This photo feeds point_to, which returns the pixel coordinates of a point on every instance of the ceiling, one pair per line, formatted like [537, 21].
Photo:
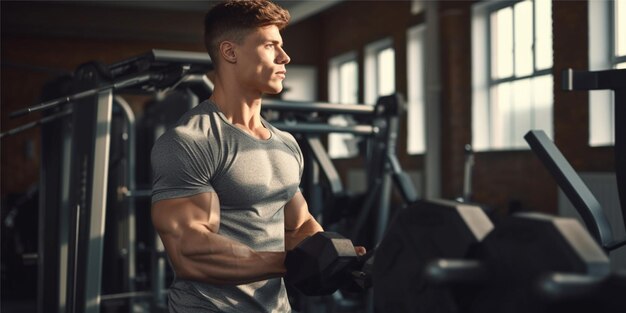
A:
[299, 9]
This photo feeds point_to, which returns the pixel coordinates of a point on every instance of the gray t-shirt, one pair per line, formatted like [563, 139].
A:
[253, 178]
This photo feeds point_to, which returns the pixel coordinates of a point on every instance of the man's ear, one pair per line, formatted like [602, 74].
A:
[227, 51]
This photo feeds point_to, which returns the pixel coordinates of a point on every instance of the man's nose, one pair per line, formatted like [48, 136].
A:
[283, 57]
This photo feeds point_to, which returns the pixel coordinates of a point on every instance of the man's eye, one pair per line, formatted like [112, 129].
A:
[271, 45]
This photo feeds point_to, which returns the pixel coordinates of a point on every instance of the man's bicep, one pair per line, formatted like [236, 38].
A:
[172, 216]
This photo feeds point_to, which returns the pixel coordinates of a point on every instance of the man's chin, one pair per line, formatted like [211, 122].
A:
[273, 91]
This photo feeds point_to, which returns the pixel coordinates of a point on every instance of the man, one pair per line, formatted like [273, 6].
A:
[225, 201]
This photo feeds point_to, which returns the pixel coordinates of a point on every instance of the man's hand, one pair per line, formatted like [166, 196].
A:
[360, 250]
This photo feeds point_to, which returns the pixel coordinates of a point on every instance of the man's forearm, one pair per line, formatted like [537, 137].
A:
[215, 259]
[295, 236]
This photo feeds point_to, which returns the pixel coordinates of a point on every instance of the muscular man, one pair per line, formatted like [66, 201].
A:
[225, 200]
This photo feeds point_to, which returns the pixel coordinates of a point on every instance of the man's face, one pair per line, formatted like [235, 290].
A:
[261, 61]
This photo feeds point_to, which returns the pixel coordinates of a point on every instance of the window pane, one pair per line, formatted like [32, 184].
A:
[620, 65]
[620, 28]
[386, 72]
[415, 100]
[343, 88]
[543, 34]
[348, 82]
[501, 115]
[601, 118]
[542, 100]
[502, 43]
[521, 112]
[342, 145]
[523, 38]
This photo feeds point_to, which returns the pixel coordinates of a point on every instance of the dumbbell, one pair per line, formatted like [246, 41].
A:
[421, 233]
[530, 262]
[324, 263]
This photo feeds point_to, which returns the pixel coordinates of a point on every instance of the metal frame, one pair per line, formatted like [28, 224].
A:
[572, 185]
[74, 182]
[130, 223]
[614, 80]
[54, 188]
[331, 108]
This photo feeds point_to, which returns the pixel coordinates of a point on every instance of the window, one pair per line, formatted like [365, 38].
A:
[607, 49]
[511, 72]
[343, 87]
[300, 84]
[416, 140]
[380, 71]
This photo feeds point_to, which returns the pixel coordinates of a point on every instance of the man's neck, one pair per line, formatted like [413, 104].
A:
[240, 108]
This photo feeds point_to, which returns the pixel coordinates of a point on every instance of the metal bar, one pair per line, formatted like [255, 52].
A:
[170, 56]
[616, 81]
[52, 237]
[138, 193]
[385, 193]
[64, 221]
[596, 80]
[318, 107]
[30, 125]
[126, 295]
[572, 185]
[129, 268]
[402, 180]
[620, 147]
[310, 179]
[562, 286]
[366, 130]
[326, 164]
[97, 212]
[83, 94]
[158, 273]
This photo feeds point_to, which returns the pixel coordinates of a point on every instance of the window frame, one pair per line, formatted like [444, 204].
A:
[483, 80]
[602, 56]
[334, 77]
[372, 83]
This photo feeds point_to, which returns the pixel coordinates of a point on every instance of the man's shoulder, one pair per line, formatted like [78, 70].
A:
[193, 124]
[191, 132]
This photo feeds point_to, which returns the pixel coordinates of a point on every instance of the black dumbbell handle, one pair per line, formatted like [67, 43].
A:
[453, 271]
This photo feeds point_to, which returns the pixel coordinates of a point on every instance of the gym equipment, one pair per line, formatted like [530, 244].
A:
[523, 248]
[494, 269]
[316, 266]
[421, 233]
[326, 262]
[614, 80]
[530, 262]
[75, 167]
[577, 192]
[584, 293]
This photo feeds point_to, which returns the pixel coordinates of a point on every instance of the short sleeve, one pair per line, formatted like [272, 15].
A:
[181, 165]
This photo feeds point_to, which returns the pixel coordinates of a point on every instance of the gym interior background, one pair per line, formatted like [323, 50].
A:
[351, 52]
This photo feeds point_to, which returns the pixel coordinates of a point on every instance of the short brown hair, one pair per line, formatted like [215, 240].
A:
[235, 18]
